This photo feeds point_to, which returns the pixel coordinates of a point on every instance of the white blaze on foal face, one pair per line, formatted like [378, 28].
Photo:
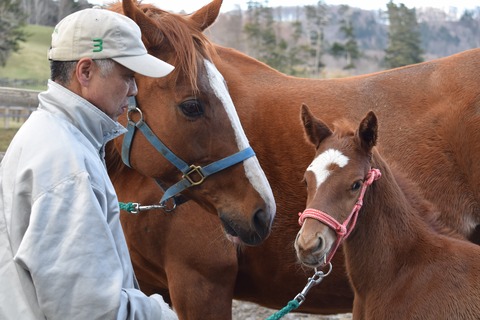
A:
[321, 165]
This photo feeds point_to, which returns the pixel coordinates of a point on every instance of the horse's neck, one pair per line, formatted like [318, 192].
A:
[115, 165]
[388, 231]
[269, 109]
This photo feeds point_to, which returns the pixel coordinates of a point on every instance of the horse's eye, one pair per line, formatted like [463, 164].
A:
[192, 108]
[356, 185]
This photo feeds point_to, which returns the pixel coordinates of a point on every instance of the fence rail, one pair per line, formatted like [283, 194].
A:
[16, 105]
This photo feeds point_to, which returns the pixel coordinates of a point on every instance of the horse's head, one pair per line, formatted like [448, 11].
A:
[336, 181]
[190, 112]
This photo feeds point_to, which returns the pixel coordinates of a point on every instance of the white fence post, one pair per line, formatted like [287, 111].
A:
[18, 103]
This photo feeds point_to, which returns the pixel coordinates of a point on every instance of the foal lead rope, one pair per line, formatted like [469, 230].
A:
[300, 298]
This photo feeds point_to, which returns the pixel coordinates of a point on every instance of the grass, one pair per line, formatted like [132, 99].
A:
[30, 62]
[27, 69]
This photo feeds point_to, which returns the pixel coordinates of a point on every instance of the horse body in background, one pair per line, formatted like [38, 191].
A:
[400, 266]
[430, 117]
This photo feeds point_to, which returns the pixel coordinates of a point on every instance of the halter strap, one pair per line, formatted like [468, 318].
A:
[342, 230]
[192, 175]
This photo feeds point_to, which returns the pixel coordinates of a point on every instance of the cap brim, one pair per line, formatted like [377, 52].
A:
[146, 65]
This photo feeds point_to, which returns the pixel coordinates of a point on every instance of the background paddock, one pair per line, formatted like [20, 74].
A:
[16, 105]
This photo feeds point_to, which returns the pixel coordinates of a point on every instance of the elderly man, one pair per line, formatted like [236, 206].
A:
[63, 254]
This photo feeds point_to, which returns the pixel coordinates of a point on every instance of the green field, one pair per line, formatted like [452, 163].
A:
[29, 68]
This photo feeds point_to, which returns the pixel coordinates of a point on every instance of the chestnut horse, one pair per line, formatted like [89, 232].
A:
[399, 265]
[431, 127]
[184, 132]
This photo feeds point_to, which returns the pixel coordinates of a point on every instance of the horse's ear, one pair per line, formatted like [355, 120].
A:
[206, 16]
[149, 29]
[315, 129]
[367, 131]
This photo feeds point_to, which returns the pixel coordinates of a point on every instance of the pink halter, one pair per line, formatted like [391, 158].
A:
[342, 230]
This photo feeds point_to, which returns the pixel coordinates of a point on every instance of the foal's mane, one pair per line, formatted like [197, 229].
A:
[187, 44]
[343, 128]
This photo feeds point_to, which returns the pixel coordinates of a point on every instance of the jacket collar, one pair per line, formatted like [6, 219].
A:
[95, 125]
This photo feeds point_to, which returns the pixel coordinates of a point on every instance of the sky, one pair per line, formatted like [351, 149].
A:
[190, 6]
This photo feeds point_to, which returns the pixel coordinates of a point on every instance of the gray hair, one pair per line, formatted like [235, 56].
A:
[61, 71]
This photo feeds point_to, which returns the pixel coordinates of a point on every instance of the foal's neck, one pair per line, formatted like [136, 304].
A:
[388, 230]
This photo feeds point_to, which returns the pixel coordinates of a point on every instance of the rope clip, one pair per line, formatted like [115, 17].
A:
[312, 281]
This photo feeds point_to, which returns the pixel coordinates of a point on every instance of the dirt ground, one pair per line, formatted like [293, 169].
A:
[249, 311]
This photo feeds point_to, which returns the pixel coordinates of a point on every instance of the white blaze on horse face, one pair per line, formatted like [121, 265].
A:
[253, 171]
[320, 164]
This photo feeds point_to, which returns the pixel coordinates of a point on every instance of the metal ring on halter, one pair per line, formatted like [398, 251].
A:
[172, 207]
[325, 263]
[323, 274]
[132, 110]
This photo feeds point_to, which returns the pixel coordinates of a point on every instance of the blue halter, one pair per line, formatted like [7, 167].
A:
[192, 175]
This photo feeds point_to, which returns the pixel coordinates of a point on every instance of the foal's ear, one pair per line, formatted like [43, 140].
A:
[207, 15]
[367, 131]
[315, 129]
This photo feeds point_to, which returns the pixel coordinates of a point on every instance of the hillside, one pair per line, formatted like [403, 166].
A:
[442, 34]
[29, 68]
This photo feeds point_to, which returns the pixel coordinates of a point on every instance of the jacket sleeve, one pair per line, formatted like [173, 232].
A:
[74, 261]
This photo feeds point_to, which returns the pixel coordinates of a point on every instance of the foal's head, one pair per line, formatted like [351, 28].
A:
[334, 180]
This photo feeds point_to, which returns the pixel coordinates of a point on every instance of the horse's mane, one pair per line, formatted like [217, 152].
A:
[187, 42]
[188, 45]
[343, 128]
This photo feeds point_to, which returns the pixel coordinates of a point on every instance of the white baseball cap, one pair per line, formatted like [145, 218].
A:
[100, 34]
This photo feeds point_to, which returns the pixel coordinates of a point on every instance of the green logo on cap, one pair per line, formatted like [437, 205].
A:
[97, 45]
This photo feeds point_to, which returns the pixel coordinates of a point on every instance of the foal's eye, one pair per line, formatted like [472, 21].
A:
[356, 185]
[192, 108]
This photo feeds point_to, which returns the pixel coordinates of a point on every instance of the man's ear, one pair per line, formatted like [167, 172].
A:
[84, 71]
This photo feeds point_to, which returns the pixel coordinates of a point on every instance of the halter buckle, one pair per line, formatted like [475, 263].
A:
[194, 169]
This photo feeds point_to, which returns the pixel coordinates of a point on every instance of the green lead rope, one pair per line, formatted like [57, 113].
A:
[300, 298]
[291, 305]
[129, 207]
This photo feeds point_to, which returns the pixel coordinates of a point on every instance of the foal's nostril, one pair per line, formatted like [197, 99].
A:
[262, 223]
[319, 243]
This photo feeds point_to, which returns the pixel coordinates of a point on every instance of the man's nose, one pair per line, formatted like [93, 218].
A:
[133, 90]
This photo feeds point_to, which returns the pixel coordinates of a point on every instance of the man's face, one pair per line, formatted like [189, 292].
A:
[110, 92]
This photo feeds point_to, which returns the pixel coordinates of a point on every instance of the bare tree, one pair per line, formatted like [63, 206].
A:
[317, 19]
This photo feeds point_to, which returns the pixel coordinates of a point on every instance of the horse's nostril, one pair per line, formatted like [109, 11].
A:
[320, 243]
[262, 222]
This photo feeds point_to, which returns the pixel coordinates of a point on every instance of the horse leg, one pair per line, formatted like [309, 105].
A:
[149, 289]
[199, 265]
[190, 290]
